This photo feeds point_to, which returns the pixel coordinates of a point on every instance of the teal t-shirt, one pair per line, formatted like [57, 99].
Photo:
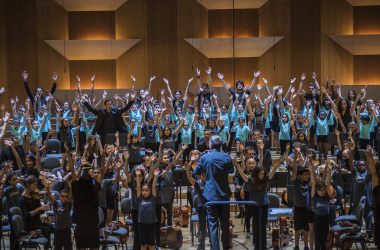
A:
[241, 133]
[284, 131]
[186, 136]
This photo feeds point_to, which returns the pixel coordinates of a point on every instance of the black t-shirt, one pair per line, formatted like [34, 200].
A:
[109, 123]
[179, 104]
[85, 199]
[134, 152]
[13, 195]
[241, 96]
[301, 193]
[27, 205]
[147, 209]
[321, 204]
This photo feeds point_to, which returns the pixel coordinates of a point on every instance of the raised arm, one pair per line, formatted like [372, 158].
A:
[208, 71]
[303, 77]
[227, 87]
[169, 90]
[188, 174]
[294, 165]
[239, 167]
[275, 167]
[255, 75]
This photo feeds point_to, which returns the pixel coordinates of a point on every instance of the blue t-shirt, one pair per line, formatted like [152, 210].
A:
[322, 126]
[242, 114]
[284, 131]
[35, 135]
[365, 130]
[85, 118]
[47, 124]
[241, 133]
[331, 120]
[223, 133]
[226, 118]
[135, 115]
[200, 129]
[321, 204]
[17, 132]
[186, 135]
[147, 209]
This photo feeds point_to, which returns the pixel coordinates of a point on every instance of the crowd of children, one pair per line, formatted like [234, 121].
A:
[160, 133]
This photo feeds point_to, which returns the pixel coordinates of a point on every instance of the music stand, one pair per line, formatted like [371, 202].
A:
[279, 180]
[111, 139]
[180, 180]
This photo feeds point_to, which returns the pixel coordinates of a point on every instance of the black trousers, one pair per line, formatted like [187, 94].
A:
[248, 213]
[136, 232]
[202, 223]
[216, 214]
[62, 239]
[321, 229]
[158, 224]
[283, 146]
[261, 216]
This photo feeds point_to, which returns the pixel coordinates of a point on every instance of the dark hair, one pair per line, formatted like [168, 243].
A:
[14, 137]
[177, 91]
[304, 134]
[107, 100]
[247, 149]
[30, 180]
[10, 175]
[135, 167]
[256, 131]
[16, 120]
[301, 170]
[163, 133]
[320, 185]
[260, 139]
[239, 82]
[224, 106]
[258, 113]
[64, 191]
[340, 110]
[90, 120]
[241, 119]
[348, 94]
[191, 107]
[205, 84]
[133, 136]
[311, 85]
[365, 118]
[325, 100]
[150, 119]
[258, 184]
[32, 158]
[142, 158]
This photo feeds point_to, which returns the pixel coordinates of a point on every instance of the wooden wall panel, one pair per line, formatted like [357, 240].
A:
[21, 45]
[130, 20]
[337, 17]
[192, 21]
[220, 23]
[162, 41]
[275, 63]
[3, 48]
[337, 63]
[367, 70]
[244, 70]
[52, 24]
[91, 25]
[105, 71]
[305, 43]
[366, 20]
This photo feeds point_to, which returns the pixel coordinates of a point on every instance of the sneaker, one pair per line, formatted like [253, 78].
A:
[248, 236]
[200, 247]
[306, 248]
[296, 248]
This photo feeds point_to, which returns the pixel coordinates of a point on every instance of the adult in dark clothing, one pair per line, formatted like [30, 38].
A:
[39, 91]
[376, 201]
[31, 209]
[109, 119]
[85, 210]
[8, 155]
[216, 165]
[204, 145]
[267, 157]
[238, 183]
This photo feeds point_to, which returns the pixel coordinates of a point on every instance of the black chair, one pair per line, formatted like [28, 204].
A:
[54, 145]
[194, 218]
[274, 201]
[51, 163]
[55, 170]
[22, 239]
[108, 239]
[126, 194]
[126, 209]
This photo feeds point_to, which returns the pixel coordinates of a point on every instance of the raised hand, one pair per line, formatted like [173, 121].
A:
[221, 76]
[228, 86]
[133, 95]
[166, 81]
[256, 74]
[303, 77]
[198, 72]
[184, 146]
[208, 71]
[13, 101]
[265, 81]
[104, 94]
[259, 86]
[78, 78]
[93, 78]
[314, 76]
[292, 90]
[2, 107]
[215, 96]
[46, 113]
[116, 96]
[2, 90]
[337, 132]
[170, 99]
[369, 151]
[133, 79]
[162, 92]
[152, 78]
[25, 75]
[84, 98]
[190, 80]
[292, 80]
[55, 76]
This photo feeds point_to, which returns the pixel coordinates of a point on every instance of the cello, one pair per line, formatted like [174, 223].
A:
[280, 234]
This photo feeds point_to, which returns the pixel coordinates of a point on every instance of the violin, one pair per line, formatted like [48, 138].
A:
[37, 194]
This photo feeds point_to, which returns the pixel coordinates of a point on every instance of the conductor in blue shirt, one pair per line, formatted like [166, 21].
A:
[217, 165]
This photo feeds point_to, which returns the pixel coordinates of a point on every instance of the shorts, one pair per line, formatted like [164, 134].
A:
[313, 130]
[310, 216]
[63, 150]
[147, 234]
[301, 219]
[322, 138]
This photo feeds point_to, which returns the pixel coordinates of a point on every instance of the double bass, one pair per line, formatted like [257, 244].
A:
[280, 234]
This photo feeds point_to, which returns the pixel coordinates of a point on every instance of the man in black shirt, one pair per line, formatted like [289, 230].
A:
[7, 153]
[109, 119]
[203, 145]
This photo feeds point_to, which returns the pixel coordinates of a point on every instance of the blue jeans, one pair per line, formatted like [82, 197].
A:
[216, 213]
